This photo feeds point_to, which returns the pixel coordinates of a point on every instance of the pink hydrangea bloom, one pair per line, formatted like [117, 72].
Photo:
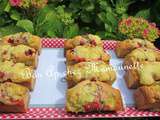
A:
[15, 2]
[128, 22]
[152, 25]
[145, 32]
[133, 27]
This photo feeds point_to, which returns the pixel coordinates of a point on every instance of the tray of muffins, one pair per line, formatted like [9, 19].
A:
[82, 77]
[19, 55]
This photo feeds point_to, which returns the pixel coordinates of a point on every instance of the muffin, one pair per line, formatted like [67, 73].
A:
[17, 73]
[148, 97]
[86, 54]
[96, 70]
[23, 38]
[142, 54]
[146, 74]
[93, 96]
[125, 47]
[19, 53]
[13, 98]
[89, 39]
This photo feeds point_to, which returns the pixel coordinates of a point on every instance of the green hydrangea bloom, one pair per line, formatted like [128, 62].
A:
[39, 3]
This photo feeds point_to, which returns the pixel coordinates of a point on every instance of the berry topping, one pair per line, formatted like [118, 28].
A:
[78, 59]
[19, 102]
[29, 52]
[99, 59]
[82, 42]
[139, 45]
[93, 42]
[10, 41]
[93, 106]
[2, 74]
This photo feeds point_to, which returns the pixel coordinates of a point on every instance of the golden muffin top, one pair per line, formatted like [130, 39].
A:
[11, 93]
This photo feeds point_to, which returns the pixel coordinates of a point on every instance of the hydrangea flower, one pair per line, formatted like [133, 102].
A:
[39, 3]
[15, 2]
[138, 28]
[28, 3]
[20, 3]
[25, 3]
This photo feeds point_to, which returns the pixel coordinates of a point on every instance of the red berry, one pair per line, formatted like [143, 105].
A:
[82, 42]
[19, 102]
[29, 52]
[82, 59]
[93, 42]
[78, 59]
[139, 45]
[10, 41]
[99, 59]
[93, 106]
[87, 108]
[2, 74]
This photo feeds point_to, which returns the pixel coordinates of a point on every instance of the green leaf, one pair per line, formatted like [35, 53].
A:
[11, 29]
[60, 9]
[102, 16]
[108, 28]
[110, 35]
[101, 34]
[2, 21]
[3, 4]
[51, 33]
[110, 18]
[104, 5]
[155, 12]
[42, 15]
[71, 31]
[85, 30]
[124, 16]
[75, 6]
[50, 25]
[143, 13]
[27, 25]
[89, 7]
[7, 8]
[51, 22]
[15, 15]
[85, 17]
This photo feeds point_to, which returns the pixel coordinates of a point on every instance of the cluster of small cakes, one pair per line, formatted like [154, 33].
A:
[18, 60]
[142, 63]
[90, 77]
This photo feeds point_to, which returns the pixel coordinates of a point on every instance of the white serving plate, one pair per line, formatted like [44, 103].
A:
[50, 85]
